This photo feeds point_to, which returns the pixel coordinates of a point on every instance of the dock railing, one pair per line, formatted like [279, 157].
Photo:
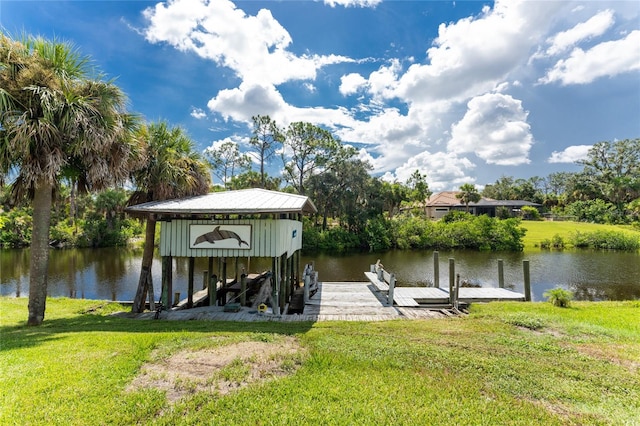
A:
[310, 277]
[383, 280]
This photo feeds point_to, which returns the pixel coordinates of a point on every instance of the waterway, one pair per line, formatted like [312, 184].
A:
[112, 273]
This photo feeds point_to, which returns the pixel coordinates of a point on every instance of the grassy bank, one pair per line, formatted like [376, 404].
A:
[538, 231]
[506, 363]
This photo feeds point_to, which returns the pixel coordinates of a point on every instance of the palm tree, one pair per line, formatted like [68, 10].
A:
[172, 170]
[468, 194]
[56, 119]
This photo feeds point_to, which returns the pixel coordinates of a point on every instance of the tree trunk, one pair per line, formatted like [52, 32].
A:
[39, 261]
[147, 260]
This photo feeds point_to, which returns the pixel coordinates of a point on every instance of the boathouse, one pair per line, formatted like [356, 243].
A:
[249, 223]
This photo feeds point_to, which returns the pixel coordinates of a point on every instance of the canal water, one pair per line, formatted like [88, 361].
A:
[112, 273]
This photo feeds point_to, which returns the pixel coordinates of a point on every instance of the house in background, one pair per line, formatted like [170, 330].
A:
[442, 203]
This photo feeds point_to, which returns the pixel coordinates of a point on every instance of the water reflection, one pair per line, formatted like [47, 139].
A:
[112, 273]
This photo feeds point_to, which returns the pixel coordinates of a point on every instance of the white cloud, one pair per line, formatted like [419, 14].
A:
[445, 171]
[254, 47]
[243, 102]
[353, 3]
[473, 55]
[495, 128]
[595, 26]
[351, 83]
[198, 113]
[247, 100]
[235, 140]
[570, 154]
[405, 115]
[606, 59]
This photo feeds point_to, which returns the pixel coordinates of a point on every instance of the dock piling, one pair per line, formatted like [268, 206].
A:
[452, 277]
[527, 281]
[436, 270]
[500, 273]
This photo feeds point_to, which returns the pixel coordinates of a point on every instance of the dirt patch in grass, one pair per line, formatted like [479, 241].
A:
[220, 370]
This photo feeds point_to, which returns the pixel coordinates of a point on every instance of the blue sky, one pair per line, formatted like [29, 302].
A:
[463, 91]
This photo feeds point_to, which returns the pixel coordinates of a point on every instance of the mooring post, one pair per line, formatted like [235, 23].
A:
[500, 273]
[456, 291]
[527, 281]
[436, 270]
[452, 277]
[392, 286]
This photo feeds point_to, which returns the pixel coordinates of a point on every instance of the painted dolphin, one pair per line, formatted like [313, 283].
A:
[218, 235]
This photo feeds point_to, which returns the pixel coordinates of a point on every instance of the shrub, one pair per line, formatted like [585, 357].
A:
[610, 240]
[459, 231]
[556, 242]
[377, 234]
[456, 216]
[596, 211]
[559, 297]
[15, 228]
[332, 239]
[524, 320]
[530, 213]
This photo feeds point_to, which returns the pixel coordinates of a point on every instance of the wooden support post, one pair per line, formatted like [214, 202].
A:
[210, 266]
[190, 283]
[205, 279]
[436, 269]
[500, 273]
[452, 277]
[152, 303]
[456, 292]
[223, 281]
[211, 284]
[223, 278]
[213, 290]
[167, 281]
[141, 292]
[275, 305]
[243, 289]
[296, 268]
[392, 286]
[527, 281]
[283, 282]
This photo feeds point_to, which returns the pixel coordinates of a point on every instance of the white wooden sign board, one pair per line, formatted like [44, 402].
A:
[220, 236]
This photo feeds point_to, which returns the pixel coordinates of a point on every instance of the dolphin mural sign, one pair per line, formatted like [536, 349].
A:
[220, 236]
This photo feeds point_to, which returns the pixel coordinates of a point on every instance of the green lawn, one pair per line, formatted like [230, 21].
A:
[506, 363]
[538, 231]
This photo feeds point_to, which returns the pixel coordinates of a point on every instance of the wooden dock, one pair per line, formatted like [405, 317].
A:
[352, 301]
[425, 296]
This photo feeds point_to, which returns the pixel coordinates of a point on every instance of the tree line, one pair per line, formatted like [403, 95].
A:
[69, 148]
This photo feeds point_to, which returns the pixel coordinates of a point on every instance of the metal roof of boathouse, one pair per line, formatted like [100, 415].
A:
[243, 201]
